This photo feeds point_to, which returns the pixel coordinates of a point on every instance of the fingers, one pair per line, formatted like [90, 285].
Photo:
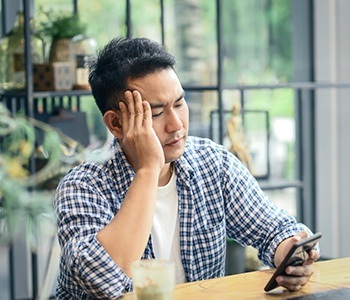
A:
[314, 255]
[129, 111]
[125, 112]
[147, 113]
[138, 109]
[134, 111]
[301, 235]
[293, 283]
[296, 277]
[304, 270]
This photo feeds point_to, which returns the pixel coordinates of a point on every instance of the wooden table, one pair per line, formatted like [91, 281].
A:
[331, 277]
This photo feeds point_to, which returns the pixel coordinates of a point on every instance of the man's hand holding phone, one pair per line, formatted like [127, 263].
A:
[295, 259]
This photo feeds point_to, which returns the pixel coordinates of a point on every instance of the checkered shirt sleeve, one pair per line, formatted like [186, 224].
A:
[83, 207]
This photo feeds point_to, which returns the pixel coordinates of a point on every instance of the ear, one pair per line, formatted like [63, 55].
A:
[112, 119]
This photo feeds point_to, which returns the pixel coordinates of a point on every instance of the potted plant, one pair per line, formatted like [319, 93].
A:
[58, 30]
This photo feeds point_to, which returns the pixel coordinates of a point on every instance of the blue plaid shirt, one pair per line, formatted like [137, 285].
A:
[218, 198]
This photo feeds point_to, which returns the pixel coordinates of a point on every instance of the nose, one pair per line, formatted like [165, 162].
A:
[174, 122]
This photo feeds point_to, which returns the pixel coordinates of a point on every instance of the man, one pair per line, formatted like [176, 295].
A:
[163, 194]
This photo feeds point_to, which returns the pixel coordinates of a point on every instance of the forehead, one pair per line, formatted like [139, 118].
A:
[162, 85]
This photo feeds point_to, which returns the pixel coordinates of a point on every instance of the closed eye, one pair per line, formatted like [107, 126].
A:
[156, 115]
[180, 102]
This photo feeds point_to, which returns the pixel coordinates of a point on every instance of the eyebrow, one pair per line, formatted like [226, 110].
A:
[160, 105]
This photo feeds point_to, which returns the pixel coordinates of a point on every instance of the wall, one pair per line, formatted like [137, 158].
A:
[332, 64]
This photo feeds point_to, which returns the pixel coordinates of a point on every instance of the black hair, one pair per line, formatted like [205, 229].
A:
[120, 60]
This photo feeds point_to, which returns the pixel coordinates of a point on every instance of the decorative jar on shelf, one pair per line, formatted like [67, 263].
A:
[83, 49]
[12, 55]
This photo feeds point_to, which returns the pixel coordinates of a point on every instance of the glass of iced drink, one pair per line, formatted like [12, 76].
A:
[153, 279]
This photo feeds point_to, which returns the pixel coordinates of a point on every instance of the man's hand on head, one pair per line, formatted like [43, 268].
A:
[139, 140]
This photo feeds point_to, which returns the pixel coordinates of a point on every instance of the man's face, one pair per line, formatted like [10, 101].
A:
[164, 93]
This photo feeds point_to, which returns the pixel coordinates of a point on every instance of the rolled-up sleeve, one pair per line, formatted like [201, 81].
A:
[86, 269]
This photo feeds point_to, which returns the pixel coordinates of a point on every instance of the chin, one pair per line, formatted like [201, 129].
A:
[174, 153]
[173, 156]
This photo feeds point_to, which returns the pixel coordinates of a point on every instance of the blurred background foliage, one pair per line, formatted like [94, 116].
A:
[33, 158]
[24, 209]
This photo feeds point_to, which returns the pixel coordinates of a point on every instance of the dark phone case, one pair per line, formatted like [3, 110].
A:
[296, 257]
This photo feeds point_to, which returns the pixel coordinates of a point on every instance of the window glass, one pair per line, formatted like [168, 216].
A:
[190, 34]
[146, 19]
[201, 106]
[256, 38]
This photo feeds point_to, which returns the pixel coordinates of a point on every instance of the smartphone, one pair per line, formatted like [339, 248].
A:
[295, 257]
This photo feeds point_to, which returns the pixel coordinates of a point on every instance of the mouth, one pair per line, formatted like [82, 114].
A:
[174, 142]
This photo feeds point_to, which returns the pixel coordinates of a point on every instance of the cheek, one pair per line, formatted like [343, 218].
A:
[185, 116]
[158, 129]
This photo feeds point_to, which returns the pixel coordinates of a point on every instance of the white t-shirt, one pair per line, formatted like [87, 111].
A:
[165, 229]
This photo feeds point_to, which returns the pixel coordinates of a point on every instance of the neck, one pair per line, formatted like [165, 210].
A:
[165, 174]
